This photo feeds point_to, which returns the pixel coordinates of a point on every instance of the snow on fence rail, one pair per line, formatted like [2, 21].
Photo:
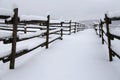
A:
[109, 35]
[14, 38]
[5, 13]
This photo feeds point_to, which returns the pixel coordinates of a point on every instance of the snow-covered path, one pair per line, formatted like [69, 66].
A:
[79, 56]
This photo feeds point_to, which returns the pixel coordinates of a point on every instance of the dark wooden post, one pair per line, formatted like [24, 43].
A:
[25, 29]
[78, 27]
[47, 32]
[107, 20]
[75, 27]
[61, 24]
[61, 30]
[101, 25]
[13, 52]
[61, 33]
[70, 27]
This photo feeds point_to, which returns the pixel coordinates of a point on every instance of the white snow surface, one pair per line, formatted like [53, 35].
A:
[31, 17]
[34, 17]
[115, 45]
[28, 44]
[5, 34]
[79, 56]
[55, 21]
[31, 34]
[115, 31]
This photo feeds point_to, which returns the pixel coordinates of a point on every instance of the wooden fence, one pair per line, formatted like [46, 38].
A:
[14, 38]
[68, 27]
[23, 30]
[100, 30]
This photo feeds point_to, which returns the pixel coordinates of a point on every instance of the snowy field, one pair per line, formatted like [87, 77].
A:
[79, 56]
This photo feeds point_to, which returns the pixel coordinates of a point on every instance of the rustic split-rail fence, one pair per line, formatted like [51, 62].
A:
[14, 24]
[103, 29]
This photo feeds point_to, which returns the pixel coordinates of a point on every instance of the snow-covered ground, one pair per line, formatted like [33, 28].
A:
[79, 56]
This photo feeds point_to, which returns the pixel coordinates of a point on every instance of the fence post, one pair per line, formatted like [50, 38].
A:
[14, 34]
[47, 32]
[25, 29]
[61, 30]
[79, 26]
[75, 27]
[61, 24]
[107, 20]
[61, 33]
[101, 25]
[70, 27]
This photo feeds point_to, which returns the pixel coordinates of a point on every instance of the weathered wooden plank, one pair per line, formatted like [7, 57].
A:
[109, 40]
[13, 53]
[115, 36]
[4, 16]
[6, 41]
[47, 32]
